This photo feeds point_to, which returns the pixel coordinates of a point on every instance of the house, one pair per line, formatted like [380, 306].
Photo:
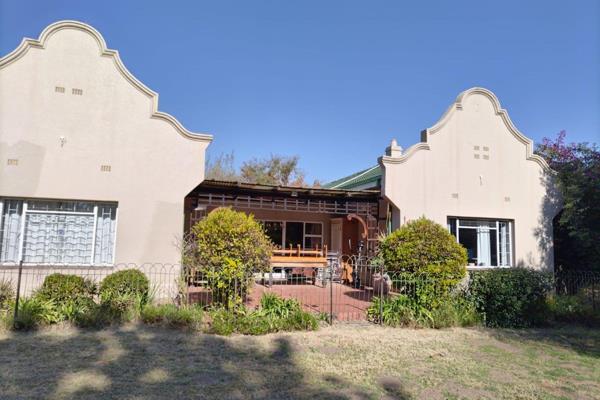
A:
[91, 172]
[474, 172]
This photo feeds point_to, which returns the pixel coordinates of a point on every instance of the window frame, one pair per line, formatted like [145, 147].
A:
[25, 210]
[496, 227]
[304, 234]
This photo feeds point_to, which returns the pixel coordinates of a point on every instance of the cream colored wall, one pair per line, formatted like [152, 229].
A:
[441, 177]
[154, 161]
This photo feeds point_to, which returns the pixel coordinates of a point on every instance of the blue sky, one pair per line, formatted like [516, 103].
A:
[334, 81]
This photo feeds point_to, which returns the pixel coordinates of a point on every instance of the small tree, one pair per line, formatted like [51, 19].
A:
[231, 246]
[276, 170]
[425, 247]
[577, 227]
[221, 168]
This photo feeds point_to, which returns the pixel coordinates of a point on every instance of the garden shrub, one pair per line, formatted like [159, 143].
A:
[230, 247]
[100, 316]
[34, 312]
[70, 294]
[401, 310]
[7, 294]
[228, 234]
[170, 315]
[573, 309]
[275, 314]
[125, 290]
[272, 305]
[510, 297]
[425, 248]
[398, 310]
[457, 311]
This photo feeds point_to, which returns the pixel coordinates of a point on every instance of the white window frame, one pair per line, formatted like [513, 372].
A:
[304, 234]
[497, 229]
[25, 211]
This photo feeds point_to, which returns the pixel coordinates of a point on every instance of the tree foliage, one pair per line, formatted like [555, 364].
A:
[577, 227]
[222, 168]
[275, 170]
[230, 247]
[425, 247]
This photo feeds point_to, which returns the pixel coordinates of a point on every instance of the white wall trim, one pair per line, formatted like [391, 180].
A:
[458, 106]
[51, 29]
[502, 113]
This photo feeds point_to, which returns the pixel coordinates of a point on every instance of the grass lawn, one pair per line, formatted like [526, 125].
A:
[341, 362]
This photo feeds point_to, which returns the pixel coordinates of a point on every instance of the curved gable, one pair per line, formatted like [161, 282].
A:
[51, 30]
[459, 104]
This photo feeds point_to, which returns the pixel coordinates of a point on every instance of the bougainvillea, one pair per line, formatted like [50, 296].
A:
[577, 227]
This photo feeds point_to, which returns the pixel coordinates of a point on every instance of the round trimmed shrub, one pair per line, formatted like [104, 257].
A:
[425, 247]
[63, 289]
[125, 285]
[226, 234]
[230, 247]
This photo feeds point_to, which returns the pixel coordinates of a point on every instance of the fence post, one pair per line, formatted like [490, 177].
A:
[381, 295]
[593, 293]
[16, 314]
[330, 293]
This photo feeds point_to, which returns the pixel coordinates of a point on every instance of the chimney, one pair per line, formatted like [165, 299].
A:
[393, 150]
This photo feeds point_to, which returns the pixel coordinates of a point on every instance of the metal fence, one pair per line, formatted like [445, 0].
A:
[342, 291]
[583, 284]
[26, 279]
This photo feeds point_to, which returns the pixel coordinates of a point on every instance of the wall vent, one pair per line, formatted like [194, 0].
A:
[12, 161]
[77, 92]
[105, 168]
[59, 89]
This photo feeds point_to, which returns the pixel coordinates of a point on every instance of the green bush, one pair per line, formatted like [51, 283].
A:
[228, 234]
[7, 294]
[125, 289]
[230, 247]
[405, 311]
[170, 315]
[99, 316]
[34, 312]
[272, 305]
[425, 248]
[71, 294]
[573, 309]
[275, 314]
[457, 311]
[510, 297]
[398, 310]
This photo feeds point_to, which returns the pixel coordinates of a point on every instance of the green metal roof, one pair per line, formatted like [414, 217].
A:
[367, 176]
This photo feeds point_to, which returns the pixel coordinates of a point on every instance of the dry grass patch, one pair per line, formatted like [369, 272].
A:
[342, 362]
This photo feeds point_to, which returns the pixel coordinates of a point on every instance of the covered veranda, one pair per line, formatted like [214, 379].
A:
[320, 236]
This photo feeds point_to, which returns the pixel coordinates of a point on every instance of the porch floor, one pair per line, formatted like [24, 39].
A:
[346, 302]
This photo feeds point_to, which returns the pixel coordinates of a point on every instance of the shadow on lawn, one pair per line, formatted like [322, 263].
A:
[581, 340]
[146, 363]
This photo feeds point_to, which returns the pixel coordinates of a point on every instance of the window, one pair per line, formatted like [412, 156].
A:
[488, 242]
[286, 234]
[57, 231]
